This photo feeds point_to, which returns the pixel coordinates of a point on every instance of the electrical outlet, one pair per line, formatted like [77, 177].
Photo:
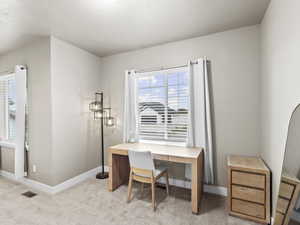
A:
[34, 168]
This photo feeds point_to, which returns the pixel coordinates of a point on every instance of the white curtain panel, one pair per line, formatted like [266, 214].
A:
[200, 131]
[129, 116]
[21, 80]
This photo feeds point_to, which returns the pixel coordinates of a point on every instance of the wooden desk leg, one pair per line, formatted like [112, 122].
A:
[118, 170]
[197, 184]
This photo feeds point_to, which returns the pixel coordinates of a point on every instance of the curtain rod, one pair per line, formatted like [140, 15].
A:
[163, 68]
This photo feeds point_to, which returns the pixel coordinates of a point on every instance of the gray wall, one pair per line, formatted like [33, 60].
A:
[64, 139]
[280, 35]
[235, 57]
[75, 77]
[37, 57]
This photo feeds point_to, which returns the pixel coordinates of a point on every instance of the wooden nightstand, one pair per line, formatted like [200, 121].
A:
[249, 188]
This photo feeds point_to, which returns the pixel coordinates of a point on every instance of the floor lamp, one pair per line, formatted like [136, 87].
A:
[104, 115]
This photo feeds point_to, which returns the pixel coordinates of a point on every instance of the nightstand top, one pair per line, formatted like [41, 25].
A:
[247, 162]
[289, 178]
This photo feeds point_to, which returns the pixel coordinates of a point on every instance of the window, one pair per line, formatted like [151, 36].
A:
[162, 101]
[7, 108]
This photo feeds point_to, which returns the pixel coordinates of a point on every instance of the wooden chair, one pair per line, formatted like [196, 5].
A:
[143, 170]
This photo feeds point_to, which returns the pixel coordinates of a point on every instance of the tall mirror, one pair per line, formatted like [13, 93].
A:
[288, 203]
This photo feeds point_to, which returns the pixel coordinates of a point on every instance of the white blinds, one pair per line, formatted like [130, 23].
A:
[3, 109]
[7, 107]
[162, 101]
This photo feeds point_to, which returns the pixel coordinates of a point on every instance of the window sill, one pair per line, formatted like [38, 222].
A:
[7, 144]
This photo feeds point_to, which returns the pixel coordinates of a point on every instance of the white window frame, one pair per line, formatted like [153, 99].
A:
[147, 74]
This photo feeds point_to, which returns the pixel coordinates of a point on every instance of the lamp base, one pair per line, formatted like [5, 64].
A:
[101, 175]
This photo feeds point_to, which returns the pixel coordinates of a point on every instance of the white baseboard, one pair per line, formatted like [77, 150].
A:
[218, 190]
[8, 175]
[52, 189]
[28, 182]
[76, 180]
[37, 185]
[213, 189]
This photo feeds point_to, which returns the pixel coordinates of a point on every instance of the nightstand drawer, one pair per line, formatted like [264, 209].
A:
[282, 205]
[249, 194]
[248, 208]
[279, 219]
[248, 179]
[286, 190]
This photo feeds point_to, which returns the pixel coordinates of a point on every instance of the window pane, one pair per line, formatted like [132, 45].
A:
[163, 106]
[11, 109]
[172, 79]
[158, 80]
[183, 78]
[178, 101]
[144, 82]
[7, 108]
[3, 109]
[152, 95]
[151, 103]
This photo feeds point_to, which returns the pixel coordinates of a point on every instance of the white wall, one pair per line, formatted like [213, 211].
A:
[234, 56]
[37, 58]
[75, 76]
[280, 44]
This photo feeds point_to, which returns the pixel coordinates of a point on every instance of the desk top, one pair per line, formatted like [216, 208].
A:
[247, 162]
[167, 150]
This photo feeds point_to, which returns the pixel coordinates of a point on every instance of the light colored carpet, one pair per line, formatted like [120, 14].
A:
[89, 203]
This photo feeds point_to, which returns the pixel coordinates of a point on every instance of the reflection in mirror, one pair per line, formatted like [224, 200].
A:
[288, 202]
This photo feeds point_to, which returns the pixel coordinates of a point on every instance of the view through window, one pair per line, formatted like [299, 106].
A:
[7, 108]
[162, 100]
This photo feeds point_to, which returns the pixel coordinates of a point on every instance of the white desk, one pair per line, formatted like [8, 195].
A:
[119, 164]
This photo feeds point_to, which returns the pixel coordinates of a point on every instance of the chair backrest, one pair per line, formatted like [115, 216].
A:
[141, 160]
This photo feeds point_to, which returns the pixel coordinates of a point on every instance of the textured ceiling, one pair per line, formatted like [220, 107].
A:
[105, 27]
